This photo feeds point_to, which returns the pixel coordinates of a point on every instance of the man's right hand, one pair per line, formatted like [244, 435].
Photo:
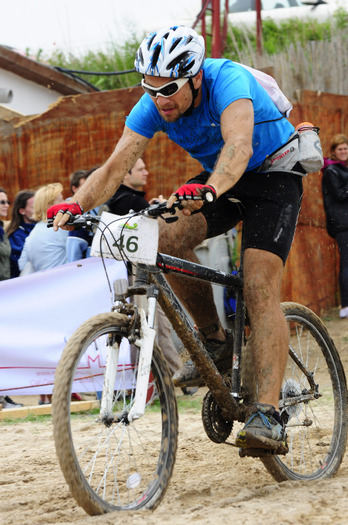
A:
[61, 213]
[192, 197]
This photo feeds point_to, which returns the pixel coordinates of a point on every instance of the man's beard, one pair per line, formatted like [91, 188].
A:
[172, 117]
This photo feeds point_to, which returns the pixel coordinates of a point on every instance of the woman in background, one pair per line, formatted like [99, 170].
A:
[43, 248]
[5, 252]
[5, 247]
[335, 195]
[21, 224]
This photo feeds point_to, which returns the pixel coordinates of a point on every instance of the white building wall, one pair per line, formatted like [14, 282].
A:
[28, 98]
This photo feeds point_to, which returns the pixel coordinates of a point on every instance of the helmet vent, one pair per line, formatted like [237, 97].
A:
[175, 43]
[150, 41]
[155, 55]
[140, 56]
[182, 62]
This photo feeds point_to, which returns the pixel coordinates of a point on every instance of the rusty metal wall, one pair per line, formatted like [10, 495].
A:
[81, 131]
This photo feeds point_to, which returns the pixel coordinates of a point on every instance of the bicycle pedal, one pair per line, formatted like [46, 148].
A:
[255, 452]
[264, 452]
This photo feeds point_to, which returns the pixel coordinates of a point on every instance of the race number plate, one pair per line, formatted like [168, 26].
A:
[123, 238]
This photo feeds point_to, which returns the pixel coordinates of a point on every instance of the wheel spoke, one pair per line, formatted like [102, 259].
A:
[109, 462]
[313, 401]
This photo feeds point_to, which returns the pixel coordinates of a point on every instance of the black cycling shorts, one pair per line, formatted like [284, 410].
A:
[267, 203]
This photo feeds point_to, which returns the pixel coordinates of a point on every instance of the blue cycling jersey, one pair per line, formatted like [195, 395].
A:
[199, 134]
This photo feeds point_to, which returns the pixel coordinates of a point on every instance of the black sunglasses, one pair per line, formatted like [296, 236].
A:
[5, 202]
[168, 90]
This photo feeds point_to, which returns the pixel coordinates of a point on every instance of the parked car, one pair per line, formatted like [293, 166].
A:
[244, 12]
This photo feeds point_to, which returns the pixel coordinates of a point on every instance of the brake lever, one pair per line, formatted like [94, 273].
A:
[169, 220]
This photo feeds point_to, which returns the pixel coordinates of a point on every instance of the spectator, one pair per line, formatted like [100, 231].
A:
[335, 194]
[5, 247]
[5, 273]
[79, 241]
[42, 248]
[129, 196]
[77, 178]
[21, 224]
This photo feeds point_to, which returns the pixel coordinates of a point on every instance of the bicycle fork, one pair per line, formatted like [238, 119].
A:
[145, 342]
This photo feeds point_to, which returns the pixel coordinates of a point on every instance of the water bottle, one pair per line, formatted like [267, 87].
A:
[311, 154]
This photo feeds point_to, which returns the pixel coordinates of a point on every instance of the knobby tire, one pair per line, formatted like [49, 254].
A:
[317, 428]
[123, 466]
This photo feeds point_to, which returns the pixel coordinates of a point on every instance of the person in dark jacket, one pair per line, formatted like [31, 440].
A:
[21, 224]
[335, 195]
[5, 247]
[129, 195]
[5, 252]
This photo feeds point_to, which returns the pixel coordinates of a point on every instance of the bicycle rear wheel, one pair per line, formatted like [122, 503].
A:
[113, 464]
[313, 401]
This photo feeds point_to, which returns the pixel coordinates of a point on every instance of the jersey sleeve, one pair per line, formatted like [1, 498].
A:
[229, 85]
[144, 118]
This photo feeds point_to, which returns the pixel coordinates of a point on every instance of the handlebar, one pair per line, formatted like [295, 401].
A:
[155, 210]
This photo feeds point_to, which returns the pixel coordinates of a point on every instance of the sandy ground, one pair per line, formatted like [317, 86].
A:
[210, 484]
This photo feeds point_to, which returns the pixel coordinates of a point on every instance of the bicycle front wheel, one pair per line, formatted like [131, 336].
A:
[313, 401]
[112, 463]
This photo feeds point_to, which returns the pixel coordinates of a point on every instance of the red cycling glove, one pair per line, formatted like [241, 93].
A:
[194, 191]
[71, 208]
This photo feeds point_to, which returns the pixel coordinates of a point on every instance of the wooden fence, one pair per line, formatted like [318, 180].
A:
[81, 131]
[321, 65]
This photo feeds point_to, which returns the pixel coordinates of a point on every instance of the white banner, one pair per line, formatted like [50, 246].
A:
[39, 312]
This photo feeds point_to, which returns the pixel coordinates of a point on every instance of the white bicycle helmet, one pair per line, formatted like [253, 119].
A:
[174, 52]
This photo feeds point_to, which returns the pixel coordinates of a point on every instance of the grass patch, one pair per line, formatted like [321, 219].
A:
[191, 404]
[30, 418]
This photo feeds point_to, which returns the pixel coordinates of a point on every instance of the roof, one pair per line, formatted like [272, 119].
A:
[44, 75]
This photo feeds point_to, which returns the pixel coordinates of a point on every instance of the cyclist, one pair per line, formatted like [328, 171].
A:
[218, 112]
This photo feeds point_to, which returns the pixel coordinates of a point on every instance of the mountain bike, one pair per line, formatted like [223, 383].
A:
[121, 454]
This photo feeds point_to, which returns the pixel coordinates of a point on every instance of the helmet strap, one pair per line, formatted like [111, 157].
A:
[194, 96]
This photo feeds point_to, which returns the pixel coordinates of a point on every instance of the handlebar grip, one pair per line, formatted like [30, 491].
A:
[75, 220]
[208, 195]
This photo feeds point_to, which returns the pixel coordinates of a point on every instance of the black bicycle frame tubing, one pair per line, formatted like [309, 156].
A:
[181, 322]
[174, 265]
[190, 339]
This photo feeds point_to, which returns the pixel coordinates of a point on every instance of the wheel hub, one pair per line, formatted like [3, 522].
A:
[291, 389]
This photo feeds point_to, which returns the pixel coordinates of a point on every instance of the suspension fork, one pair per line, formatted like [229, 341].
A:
[145, 342]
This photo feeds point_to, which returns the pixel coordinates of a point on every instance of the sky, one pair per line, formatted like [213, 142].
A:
[78, 26]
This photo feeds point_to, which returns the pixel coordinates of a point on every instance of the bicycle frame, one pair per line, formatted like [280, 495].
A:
[226, 396]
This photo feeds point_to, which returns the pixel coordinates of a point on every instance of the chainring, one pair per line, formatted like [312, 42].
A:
[215, 424]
